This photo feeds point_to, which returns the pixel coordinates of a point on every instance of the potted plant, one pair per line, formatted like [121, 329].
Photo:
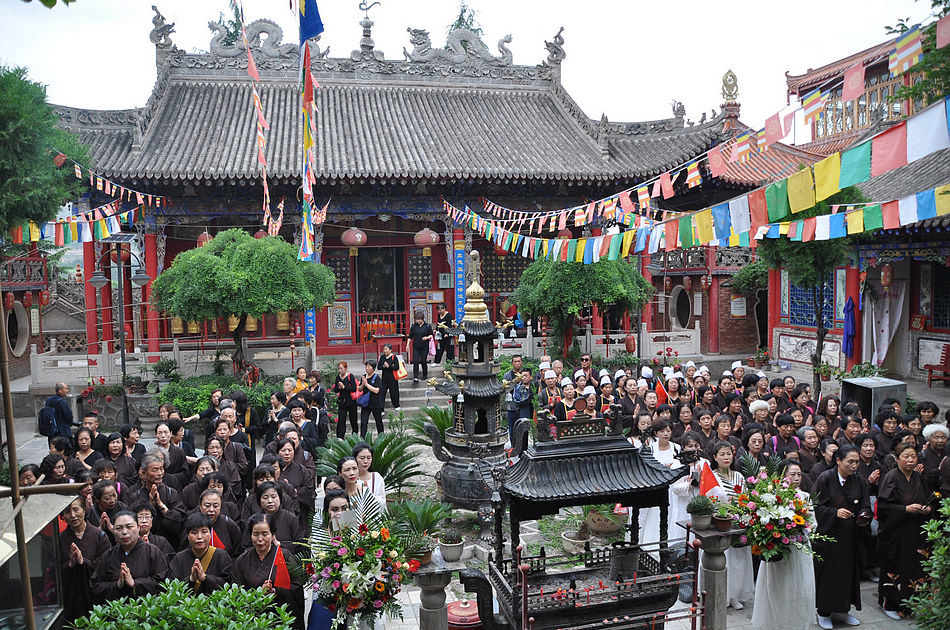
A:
[824, 371]
[451, 545]
[601, 520]
[761, 356]
[573, 541]
[750, 361]
[722, 516]
[166, 371]
[700, 510]
[422, 549]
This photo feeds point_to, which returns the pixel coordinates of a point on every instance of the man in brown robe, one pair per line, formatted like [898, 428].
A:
[152, 490]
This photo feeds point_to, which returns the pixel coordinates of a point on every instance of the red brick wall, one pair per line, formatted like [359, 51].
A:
[736, 336]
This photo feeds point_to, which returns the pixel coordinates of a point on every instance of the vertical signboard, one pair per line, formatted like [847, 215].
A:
[459, 280]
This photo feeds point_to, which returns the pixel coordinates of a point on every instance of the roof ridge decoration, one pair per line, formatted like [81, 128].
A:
[456, 51]
[270, 47]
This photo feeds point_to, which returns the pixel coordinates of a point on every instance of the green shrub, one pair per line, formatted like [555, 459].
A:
[931, 602]
[421, 517]
[441, 417]
[191, 395]
[178, 607]
[391, 458]
[751, 278]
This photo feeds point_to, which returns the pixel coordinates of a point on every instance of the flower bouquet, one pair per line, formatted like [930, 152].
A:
[357, 570]
[776, 516]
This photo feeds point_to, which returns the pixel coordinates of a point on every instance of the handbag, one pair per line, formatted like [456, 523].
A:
[363, 399]
[402, 372]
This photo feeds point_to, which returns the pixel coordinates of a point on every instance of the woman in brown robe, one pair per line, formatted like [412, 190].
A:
[203, 566]
[80, 546]
[285, 526]
[130, 569]
[226, 533]
[903, 508]
[264, 566]
[842, 503]
[295, 474]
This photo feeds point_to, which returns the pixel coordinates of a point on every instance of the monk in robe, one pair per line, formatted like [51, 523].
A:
[130, 569]
[843, 507]
[264, 566]
[177, 468]
[205, 567]
[152, 490]
[80, 546]
[145, 516]
[285, 526]
[296, 475]
[225, 533]
[903, 506]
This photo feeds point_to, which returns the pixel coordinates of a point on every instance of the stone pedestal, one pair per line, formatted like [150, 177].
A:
[432, 579]
[712, 572]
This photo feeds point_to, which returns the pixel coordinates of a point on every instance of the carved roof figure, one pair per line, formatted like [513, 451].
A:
[461, 46]
[161, 32]
[730, 87]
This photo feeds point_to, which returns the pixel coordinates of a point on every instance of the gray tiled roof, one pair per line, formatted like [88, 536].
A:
[928, 172]
[377, 119]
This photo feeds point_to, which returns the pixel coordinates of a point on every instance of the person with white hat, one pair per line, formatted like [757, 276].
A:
[564, 408]
[551, 392]
[762, 384]
[690, 370]
[738, 371]
[543, 366]
[566, 381]
[673, 388]
[606, 397]
[646, 372]
[592, 397]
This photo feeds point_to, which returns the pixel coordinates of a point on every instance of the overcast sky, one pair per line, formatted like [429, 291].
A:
[628, 59]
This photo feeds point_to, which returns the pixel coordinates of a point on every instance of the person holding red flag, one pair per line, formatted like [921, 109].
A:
[264, 566]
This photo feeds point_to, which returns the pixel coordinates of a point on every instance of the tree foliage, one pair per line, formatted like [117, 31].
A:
[232, 27]
[32, 187]
[237, 274]
[809, 264]
[559, 290]
[931, 602]
[466, 19]
[751, 278]
[935, 66]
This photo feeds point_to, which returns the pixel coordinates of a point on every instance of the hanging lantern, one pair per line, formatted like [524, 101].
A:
[193, 328]
[667, 284]
[354, 238]
[500, 251]
[250, 324]
[426, 238]
[8, 300]
[27, 299]
[203, 239]
[44, 297]
[125, 254]
[887, 276]
[178, 325]
[688, 283]
[233, 321]
[703, 283]
[565, 233]
[283, 320]
[260, 234]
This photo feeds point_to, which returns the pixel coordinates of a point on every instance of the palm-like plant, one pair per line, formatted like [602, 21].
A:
[391, 458]
[441, 417]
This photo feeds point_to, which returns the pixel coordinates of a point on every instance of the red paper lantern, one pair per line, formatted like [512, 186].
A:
[125, 254]
[565, 233]
[354, 238]
[8, 300]
[667, 284]
[630, 343]
[260, 234]
[500, 251]
[688, 283]
[44, 297]
[887, 276]
[426, 238]
[27, 299]
[203, 239]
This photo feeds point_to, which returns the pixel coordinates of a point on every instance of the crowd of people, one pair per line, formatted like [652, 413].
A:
[203, 509]
[219, 515]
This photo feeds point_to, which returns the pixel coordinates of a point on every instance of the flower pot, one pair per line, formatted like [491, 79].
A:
[759, 363]
[700, 521]
[600, 525]
[451, 552]
[425, 558]
[571, 543]
[750, 362]
[825, 377]
[722, 524]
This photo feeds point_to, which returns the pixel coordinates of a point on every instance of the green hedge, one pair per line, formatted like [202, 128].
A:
[191, 395]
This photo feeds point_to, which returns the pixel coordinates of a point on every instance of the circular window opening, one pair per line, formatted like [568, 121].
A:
[682, 308]
[18, 329]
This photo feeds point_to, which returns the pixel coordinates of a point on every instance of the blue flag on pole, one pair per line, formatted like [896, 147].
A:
[310, 23]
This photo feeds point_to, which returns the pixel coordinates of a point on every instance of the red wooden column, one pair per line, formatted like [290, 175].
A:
[92, 328]
[152, 328]
[775, 304]
[648, 307]
[105, 298]
[125, 271]
[853, 291]
[714, 315]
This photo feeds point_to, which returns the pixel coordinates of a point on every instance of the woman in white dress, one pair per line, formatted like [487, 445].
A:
[739, 585]
[363, 453]
[785, 590]
[664, 451]
[685, 488]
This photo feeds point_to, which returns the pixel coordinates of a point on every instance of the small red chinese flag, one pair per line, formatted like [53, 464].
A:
[853, 82]
[216, 541]
[661, 395]
[281, 574]
[708, 483]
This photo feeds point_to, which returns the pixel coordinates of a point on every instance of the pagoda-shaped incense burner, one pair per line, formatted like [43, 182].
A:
[474, 446]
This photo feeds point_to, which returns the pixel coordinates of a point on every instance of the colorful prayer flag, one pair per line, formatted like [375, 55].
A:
[693, 178]
[890, 213]
[927, 132]
[310, 23]
[773, 129]
[741, 149]
[853, 82]
[758, 209]
[704, 226]
[889, 150]
[717, 165]
[855, 165]
[855, 221]
[813, 104]
[666, 185]
[739, 215]
[722, 222]
[685, 229]
[760, 142]
[776, 196]
[671, 229]
[907, 53]
[943, 31]
[643, 197]
[78, 171]
[942, 199]
[873, 219]
[827, 173]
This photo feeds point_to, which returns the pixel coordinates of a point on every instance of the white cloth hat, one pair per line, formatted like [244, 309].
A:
[642, 383]
[761, 374]
[550, 374]
[727, 373]
[690, 364]
[544, 365]
[605, 380]
[667, 371]
[618, 374]
[566, 381]
[646, 372]
[703, 368]
[578, 373]
[678, 375]
[589, 390]
[604, 372]
[736, 364]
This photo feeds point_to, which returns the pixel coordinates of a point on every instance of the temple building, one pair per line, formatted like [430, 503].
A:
[899, 280]
[395, 137]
